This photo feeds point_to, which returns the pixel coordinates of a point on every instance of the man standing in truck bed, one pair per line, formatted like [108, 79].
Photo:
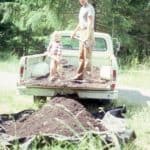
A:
[86, 30]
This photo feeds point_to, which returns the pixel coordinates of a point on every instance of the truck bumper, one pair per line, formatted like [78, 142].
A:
[82, 93]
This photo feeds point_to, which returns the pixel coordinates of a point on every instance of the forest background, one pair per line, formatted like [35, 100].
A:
[26, 25]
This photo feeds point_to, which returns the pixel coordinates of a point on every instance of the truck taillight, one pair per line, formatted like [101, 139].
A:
[114, 74]
[21, 71]
[113, 85]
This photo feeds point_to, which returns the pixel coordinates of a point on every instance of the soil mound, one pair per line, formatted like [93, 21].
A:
[61, 115]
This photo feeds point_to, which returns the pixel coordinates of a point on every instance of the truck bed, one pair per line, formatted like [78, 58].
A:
[64, 80]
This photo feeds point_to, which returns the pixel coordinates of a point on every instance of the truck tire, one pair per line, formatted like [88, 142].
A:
[39, 100]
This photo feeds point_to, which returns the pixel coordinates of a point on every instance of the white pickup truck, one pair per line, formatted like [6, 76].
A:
[34, 72]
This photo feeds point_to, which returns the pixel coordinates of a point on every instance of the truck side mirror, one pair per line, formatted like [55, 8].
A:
[116, 45]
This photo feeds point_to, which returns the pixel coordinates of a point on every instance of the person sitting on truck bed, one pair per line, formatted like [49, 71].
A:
[54, 51]
[86, 30]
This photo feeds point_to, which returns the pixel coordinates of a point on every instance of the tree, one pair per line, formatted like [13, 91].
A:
[33, 20]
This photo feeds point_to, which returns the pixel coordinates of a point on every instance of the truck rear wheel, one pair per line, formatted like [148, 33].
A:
[39, 100]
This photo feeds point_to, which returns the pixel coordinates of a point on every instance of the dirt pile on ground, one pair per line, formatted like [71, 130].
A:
[60, 115]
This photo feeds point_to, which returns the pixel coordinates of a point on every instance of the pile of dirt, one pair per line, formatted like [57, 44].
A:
[61, 115]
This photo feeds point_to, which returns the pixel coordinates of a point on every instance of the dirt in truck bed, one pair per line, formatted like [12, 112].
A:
[65, 79]
[61, 115]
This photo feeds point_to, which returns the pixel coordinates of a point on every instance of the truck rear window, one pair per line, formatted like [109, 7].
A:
[73, 44]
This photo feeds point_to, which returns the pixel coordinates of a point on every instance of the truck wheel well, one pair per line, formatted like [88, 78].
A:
[39, 100]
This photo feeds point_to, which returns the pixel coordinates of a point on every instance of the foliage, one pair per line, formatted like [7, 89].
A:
[128, 21]
[25, 25]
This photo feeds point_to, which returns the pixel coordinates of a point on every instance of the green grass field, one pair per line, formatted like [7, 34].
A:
[10, 65]
[138, 117]
[10, 100]
[135, 78]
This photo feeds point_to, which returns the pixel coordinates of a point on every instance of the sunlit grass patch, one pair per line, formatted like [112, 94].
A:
[138, 119]
[140, 122]
[135, 78]
[11, 101]
[9, 65]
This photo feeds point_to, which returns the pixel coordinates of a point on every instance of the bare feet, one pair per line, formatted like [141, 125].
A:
[51, 79]
[78, 77]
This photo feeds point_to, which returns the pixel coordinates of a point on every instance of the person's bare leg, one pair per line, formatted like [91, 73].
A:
[53, 69]
[80, 69]
[88, 53]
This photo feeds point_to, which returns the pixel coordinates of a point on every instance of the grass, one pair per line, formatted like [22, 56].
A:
[89, 142]
[140, 122]
[135, 75]
[9, 65]
[138, 117]
[135, 78]
[10, 100]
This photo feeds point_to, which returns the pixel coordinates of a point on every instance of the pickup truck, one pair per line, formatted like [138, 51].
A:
[101, 84]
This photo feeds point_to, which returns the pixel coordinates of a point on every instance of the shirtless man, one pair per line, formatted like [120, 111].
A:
[86, 31]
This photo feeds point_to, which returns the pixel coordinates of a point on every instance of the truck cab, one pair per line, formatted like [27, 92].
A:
[102, 84]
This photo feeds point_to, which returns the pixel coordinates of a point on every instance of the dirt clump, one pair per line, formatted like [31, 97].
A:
[60, 115]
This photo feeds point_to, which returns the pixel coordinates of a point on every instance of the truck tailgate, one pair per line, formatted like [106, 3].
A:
[83, 84]
[92, 82]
